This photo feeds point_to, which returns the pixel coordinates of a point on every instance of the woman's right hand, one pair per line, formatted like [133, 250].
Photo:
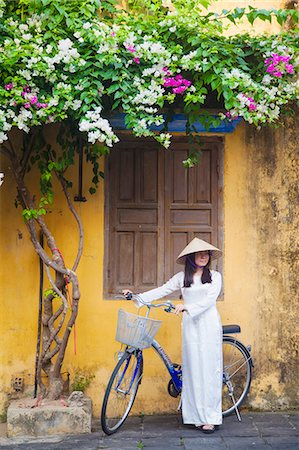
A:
[126, 292]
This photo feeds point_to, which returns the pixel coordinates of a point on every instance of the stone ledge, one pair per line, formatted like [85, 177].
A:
[72, 416]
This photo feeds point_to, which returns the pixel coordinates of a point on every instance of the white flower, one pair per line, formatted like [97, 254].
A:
[27, 36]
[84, 125]
[76, 104]
[3, 137]
[26, 74]
[87, 25]
[267, 79]
[7, 126]
[164, 139]
[23, 27]
[98, 129]
[65, 44]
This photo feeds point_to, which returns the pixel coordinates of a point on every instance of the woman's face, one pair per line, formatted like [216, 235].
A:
[202, 258]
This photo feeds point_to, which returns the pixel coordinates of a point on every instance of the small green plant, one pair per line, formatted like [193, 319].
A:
[3, 417]
[140, 444]
[81, 381]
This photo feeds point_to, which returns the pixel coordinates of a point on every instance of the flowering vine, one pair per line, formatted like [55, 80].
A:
[91, 67]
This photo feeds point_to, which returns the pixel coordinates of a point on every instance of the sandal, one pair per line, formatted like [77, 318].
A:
[208, 429]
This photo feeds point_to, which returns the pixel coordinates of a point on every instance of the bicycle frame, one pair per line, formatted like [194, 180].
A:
[174, 372]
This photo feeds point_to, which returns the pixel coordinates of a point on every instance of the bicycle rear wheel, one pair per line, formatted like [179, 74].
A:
[121, 391]
[237, 368]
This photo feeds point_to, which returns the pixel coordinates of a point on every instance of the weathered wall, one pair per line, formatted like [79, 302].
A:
[274, 192]
[261, 258]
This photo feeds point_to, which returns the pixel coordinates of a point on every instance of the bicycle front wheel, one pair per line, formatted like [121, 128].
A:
[237, 367]
[121, 391]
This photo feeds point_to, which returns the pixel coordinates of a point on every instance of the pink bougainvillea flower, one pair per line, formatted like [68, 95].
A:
[41, 105]
[252, 105]
[27, 105]
[289, 68]
[8, 86]
[277, 74]
[230, 117]
[130, 48]
[179, 90]
[178, 83]
[33, 100]
[271, 68]
[113, 33]
[186, 83]
[136, 60]
[278, 65]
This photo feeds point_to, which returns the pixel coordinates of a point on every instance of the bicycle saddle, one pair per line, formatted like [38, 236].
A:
[231, 329]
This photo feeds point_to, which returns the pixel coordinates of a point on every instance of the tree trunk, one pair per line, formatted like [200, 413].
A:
[56, 324]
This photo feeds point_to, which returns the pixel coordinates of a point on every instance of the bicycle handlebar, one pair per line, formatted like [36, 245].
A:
[130, 296]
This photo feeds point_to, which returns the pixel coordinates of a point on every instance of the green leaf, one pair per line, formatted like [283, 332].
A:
[113, 88]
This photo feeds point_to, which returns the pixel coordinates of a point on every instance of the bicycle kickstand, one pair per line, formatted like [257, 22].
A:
[236, 408]
[231, 394]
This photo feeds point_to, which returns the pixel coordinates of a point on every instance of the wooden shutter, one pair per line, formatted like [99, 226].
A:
[154, 207]
[191, 202]
[136, 197]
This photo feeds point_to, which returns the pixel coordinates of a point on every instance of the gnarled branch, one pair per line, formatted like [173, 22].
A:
[77, 218]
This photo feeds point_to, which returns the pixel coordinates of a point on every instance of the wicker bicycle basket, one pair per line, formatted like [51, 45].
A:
[134, 330]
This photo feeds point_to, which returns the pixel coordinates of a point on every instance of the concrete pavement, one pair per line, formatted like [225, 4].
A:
[262, 431]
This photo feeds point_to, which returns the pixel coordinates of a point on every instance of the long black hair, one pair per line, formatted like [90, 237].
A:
[190, 269]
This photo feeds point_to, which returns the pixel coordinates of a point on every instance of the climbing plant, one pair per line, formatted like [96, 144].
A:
[77, 63]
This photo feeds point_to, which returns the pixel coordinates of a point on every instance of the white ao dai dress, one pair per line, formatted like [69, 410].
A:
[201, 347]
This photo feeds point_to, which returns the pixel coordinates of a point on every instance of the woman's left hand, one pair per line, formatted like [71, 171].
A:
[180, 307]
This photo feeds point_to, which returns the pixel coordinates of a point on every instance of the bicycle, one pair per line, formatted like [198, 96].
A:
[137, 333]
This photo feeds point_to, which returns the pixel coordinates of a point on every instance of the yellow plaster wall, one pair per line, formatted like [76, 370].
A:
[259, 26]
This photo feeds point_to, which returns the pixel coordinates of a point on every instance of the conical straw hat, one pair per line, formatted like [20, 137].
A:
[198, 245]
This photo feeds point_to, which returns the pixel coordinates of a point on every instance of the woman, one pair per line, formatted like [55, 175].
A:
[201, 332]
